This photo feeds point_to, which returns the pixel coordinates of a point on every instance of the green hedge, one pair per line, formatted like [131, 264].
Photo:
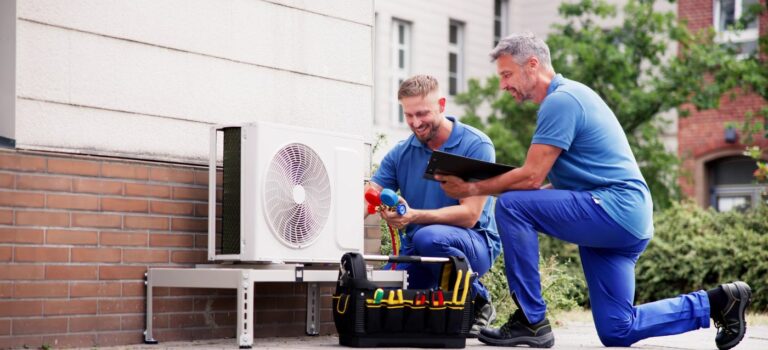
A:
[692, 249]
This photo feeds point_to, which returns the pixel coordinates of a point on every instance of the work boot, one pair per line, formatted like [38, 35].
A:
[485, 313]
[730, 321]
[518, 331]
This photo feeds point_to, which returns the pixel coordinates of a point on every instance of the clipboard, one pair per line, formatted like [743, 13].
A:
[469, 169]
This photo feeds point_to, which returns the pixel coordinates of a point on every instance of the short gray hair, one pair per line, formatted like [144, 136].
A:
[521, 47]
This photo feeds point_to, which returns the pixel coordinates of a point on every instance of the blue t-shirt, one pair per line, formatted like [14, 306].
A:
[596, 156]
[403, 169]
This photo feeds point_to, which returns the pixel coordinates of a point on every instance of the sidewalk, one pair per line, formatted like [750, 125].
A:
[577, 335]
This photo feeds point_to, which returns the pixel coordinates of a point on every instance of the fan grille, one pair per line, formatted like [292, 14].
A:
[297, 195]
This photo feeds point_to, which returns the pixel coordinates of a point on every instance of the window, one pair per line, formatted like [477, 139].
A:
[726, 15]
[500, 20]
[401, 64]
[732, 186]
[455, 57]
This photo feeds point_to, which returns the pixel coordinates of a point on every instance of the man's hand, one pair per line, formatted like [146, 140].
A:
[455, 187]
[399, 221]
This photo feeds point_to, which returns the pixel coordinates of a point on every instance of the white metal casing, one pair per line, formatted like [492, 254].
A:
[342, 156]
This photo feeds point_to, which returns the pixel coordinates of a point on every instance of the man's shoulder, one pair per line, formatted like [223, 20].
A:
[473, 134]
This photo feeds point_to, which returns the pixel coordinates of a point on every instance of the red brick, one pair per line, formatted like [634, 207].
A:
[187, 320]
[22, 199]
[201, 210]
[71, 340]
[119, 338]
[137, 289]
[189, 256]
[190, 193]
[21, 272]
[97, 186]
[6, 290]
[66, 201]
[122, 272]
[19, 341]
[46, 325]
[125, 205]
[173, 304]
[71, 237]
[40, 290]
[21, 308]
[172, 208]
[141, 190]
[123, 238]
[125, 171]
[189, 225]
[73, 167]
[96, 220]
[94, 323]
[66, 272]
[20, 235]
[42, 218]
[41, 254]
[6, 254]
[7, 180]
[6, 217]
[145, 255]
[135, 322]
[5, 327]
[146, 222]
[69, 307]
[121, 306]
[171, 240]
[164, 174]
[95, 289]
[47, 183]
[201, 177]
[201, 241]
[95, 255]
[21, 162]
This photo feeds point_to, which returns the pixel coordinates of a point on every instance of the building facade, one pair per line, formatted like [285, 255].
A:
[105, 109]
[715, 171]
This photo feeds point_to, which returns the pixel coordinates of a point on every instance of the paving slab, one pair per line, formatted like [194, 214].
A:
[573, 336]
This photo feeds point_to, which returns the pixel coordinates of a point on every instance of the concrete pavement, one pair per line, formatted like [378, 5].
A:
[573, 336]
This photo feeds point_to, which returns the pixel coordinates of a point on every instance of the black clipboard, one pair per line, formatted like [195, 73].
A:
[469, 169]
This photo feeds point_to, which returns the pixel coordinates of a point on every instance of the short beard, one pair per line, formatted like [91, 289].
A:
[432, 133]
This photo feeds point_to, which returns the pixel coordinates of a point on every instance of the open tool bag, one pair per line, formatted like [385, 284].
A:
[368, 315]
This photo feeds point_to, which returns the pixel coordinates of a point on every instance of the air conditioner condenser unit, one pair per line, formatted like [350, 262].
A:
[290, 194]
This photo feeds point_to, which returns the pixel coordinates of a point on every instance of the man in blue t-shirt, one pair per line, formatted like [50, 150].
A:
[436, 225]
[600, 202]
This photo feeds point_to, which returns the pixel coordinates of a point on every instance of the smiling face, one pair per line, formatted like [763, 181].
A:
[424, 115]
[518, 80]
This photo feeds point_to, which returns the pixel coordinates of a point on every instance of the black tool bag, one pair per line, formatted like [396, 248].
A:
[367, 315]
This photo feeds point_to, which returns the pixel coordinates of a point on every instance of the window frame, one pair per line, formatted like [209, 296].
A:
[458, 50]
[502, 18]
[726, 36]
[399, 74]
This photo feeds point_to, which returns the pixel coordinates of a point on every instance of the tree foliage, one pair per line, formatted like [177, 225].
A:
[632, 67]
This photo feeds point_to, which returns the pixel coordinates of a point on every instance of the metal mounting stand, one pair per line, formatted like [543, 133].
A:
[243, 277]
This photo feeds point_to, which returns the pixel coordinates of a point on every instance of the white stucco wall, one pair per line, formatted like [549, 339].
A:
[146, 78]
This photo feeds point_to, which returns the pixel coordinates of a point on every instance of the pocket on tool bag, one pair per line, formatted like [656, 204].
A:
[436, 319]
[373, 315]
[343, 313]
[454, 319]
[393, 317]
[415, 316]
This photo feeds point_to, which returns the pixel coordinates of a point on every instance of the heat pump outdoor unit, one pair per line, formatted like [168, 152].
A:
[290, 194]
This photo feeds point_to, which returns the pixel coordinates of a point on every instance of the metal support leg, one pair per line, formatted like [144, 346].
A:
[148, 331]
[313, 308]
[245, 311]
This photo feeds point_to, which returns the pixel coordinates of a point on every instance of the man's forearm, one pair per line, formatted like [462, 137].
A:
[455, 215]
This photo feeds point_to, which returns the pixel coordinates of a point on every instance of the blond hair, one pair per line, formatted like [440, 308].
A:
[417, 85]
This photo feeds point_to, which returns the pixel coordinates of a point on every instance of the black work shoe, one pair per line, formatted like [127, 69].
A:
[485, 313]
[730, 321]
[517, 331]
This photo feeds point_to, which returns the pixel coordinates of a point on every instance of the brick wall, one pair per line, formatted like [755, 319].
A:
[701, 135]
[77, 235]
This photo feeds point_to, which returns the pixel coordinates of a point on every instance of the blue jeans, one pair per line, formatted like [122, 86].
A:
[443, 241]
[608, 256]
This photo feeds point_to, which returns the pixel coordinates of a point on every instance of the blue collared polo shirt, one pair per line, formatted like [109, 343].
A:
[403, 169]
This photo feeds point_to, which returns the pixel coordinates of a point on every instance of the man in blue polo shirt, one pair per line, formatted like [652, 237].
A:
[600, 202]
[435, 224]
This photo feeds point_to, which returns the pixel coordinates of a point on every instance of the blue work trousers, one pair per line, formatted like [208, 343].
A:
[444, 241]
[608, 256]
